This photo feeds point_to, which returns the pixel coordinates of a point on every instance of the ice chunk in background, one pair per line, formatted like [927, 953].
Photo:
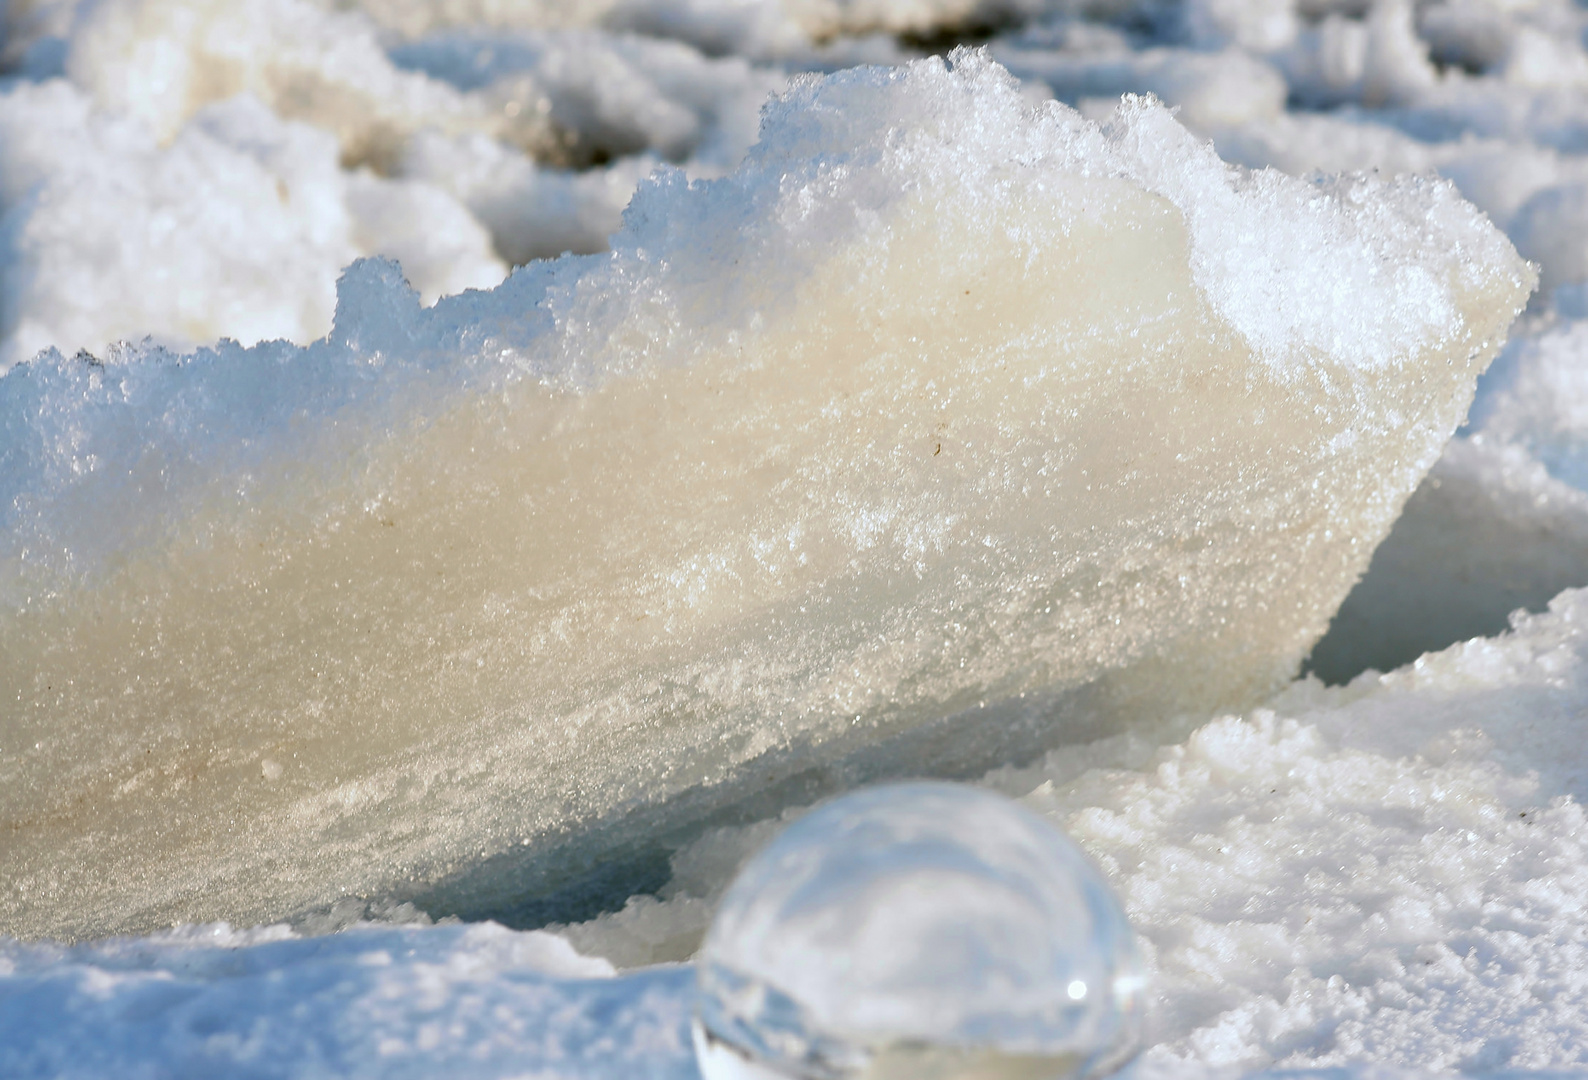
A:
[788, 30]
[160, 61]
[607, 96]
[1537, 399]
[564, 96]
[947, 427]
[1488, 532]
[237, 227]
[531, 212]
[923, 930]
[1211, 90]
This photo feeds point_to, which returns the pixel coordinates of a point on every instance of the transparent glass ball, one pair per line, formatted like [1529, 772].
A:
[921, 931]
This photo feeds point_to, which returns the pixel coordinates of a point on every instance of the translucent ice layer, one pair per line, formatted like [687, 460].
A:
[946, 427]
[923, 930]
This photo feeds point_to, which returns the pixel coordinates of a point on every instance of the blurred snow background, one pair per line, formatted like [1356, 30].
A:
[1390, 873]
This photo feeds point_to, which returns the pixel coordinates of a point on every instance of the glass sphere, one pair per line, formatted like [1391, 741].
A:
[921, 931]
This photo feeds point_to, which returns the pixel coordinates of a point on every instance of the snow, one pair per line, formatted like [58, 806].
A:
[336, 598]
[237, 227]
[384, 1001]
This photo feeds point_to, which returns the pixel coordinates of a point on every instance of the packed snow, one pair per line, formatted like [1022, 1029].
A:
[470, 460]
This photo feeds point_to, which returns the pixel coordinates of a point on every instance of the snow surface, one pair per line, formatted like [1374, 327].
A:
[1380, 876]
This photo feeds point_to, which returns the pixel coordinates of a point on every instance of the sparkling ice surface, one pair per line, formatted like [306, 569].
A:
[947, 428]
[924, 930]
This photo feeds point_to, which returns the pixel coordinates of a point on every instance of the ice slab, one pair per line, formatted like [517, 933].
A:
[946, 427]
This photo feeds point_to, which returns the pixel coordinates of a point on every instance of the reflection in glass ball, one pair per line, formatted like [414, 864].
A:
[922, 931]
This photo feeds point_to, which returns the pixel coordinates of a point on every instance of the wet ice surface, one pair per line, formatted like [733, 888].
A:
[1367, 878]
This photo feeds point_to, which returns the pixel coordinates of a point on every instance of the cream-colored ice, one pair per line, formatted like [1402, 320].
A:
[946, 428]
